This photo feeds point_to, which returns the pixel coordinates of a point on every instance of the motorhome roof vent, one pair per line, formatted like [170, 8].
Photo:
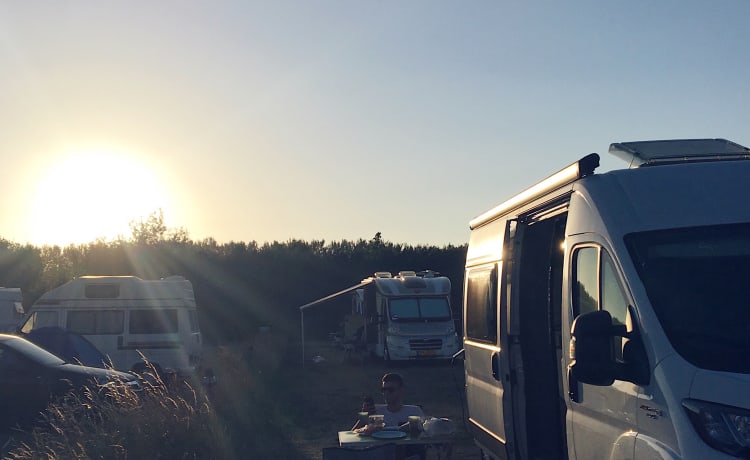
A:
[383, 275]
[650, 153]
[404, 274]
[428, 274]
[413, 282]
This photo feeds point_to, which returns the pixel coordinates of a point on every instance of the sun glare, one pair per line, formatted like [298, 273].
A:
[90, 195]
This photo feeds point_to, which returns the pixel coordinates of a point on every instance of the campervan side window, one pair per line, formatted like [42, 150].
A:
[586, 280]
[102, 291]
[481, 305]
[40, 319]
[598, 286]
[153, 321]
[95, 322]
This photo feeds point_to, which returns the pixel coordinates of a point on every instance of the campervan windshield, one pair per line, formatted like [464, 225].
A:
[419, 309]
[698, 282]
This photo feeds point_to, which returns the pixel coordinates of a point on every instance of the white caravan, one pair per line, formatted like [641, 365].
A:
[11, 309]
[406, 317]
[607, 316]
[124, 317]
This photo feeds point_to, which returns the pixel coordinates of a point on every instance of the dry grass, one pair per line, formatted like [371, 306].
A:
[115, 422]
[265, 405]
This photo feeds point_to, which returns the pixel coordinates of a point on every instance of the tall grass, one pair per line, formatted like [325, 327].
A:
[238, 418]
[116, 422]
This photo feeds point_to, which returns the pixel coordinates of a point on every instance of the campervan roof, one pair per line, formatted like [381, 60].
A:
[121, 287]
[648, 153]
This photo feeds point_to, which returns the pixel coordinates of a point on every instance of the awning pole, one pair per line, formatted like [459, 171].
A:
[302, 316]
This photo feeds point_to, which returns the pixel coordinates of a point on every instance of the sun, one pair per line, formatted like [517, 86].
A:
[90, 195]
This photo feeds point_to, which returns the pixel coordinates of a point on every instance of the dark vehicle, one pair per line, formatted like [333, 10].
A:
[31, 377]
[71, 347]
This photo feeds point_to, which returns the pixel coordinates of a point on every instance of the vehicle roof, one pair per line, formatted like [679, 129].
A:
[413, 285]
[128, 287]
[669, 196]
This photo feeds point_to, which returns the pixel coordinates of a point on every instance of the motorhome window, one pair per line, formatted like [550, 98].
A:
[102, 291]
[419, 308]
[613, 298]
[95, 322]
[696, 280]
[153, 321]
[436, 308]
[40, 319]
[481, 305]
[193, 318]
[585, 280]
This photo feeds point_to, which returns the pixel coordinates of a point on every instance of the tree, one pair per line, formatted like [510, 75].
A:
[150, 231]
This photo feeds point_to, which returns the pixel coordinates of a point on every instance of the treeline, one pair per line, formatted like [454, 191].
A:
[238, 286]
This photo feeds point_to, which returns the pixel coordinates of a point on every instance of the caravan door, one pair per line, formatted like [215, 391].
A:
[486, 360]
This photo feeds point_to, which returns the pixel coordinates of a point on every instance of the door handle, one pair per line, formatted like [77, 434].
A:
[573, 392]
[496, 365]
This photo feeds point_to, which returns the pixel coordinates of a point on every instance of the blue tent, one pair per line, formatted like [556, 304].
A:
[69, 346]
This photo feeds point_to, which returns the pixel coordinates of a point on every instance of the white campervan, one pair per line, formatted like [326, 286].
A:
[124, 317]
[607, 316]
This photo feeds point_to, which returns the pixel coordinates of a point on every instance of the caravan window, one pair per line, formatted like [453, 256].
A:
[95, 322]
[40, 319]
[102, 291]
[481, 305]
[153, 321]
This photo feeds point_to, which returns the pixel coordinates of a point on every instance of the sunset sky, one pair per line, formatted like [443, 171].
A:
[246, 120]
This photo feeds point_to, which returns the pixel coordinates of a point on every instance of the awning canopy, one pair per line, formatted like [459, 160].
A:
[322, 300]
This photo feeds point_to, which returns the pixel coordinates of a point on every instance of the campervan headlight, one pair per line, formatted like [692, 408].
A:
[724, 428]
[394, 329]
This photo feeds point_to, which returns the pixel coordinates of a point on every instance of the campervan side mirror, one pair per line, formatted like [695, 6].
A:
[591, 350]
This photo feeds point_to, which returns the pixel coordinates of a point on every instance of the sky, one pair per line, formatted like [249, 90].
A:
[327, 120]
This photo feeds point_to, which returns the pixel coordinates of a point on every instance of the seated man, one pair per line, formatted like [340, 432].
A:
[395, 412]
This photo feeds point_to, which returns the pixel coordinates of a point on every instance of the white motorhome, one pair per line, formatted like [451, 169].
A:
[403, 317]
[607, 315]
[11, 309]
[124, 317]
[407, 316]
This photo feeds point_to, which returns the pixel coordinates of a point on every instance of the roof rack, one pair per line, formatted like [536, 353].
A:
[651, 153]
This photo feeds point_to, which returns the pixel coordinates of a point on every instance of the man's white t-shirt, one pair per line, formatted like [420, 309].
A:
[393, 419]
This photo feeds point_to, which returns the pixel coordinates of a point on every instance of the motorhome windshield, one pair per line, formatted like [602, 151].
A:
[419, 309]
[698, 282]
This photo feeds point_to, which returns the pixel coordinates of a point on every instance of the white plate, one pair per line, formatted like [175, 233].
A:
[388, 434]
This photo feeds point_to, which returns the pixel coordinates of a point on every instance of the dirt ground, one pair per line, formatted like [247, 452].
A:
[325, 396]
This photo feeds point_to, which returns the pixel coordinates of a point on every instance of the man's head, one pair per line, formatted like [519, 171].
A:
[392, 387]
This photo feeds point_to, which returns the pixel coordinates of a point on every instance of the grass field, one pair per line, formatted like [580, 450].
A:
[265, 405]
[323, 398]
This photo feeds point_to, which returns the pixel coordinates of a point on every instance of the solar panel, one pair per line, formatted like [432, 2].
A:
[648, 153]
